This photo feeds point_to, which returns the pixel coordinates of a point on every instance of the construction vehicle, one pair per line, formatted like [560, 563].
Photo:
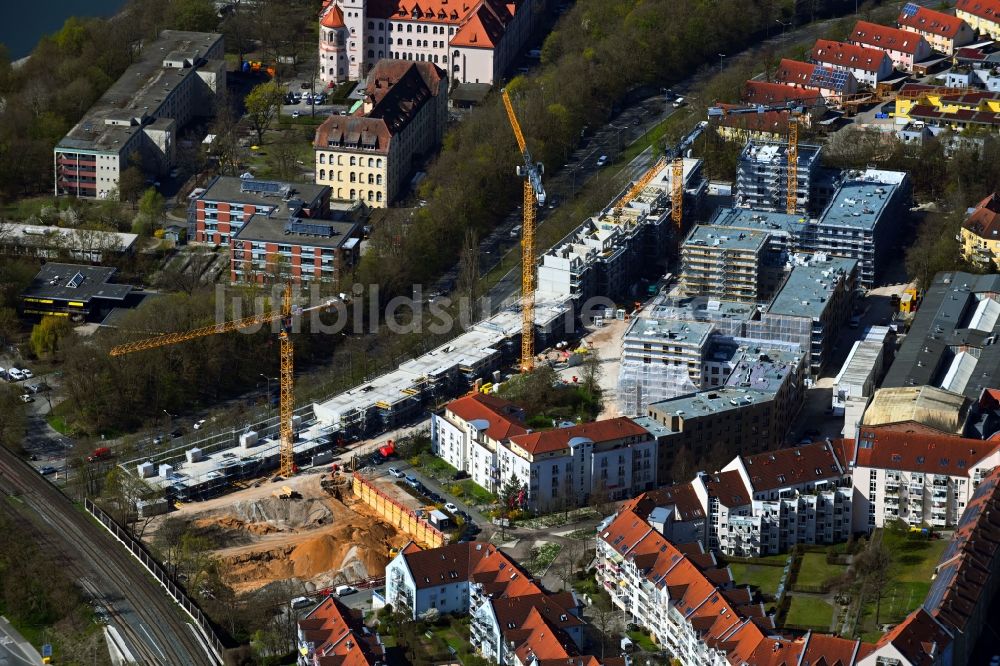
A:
[286, 492]
[287, 402]
[99, 454]
[534, 194]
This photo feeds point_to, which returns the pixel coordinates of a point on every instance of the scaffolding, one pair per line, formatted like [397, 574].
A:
[641, 384]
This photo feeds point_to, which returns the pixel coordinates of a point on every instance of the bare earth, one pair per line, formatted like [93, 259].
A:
[316, 539]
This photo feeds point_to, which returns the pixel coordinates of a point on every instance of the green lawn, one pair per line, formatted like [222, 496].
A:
[542, 557]
[809, 612]
[473, 492]
[763, 578]
[814, 570]
[643, 640]
[914, 555]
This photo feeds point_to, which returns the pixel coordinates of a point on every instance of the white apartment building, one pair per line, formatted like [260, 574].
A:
[566, 466]
[475, 42]
[469, 433]
[857, 380]
[917, 477]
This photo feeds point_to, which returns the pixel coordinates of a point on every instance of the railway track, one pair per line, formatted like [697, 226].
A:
[151, 622]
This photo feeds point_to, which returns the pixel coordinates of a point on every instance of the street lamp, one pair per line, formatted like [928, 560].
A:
[783, 25]
[722, 56]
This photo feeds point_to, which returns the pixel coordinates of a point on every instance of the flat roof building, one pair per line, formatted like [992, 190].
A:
[47, 242]
[738, 266]
[762, 178]
[952, 341]
[175, 78]
[74, 290]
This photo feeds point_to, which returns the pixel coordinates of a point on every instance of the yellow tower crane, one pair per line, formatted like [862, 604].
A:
[637, 187]
[533, 191]
[676, 186]
[287, 402]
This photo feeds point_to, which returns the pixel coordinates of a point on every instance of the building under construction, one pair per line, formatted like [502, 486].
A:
[762, 178]
[742, 265]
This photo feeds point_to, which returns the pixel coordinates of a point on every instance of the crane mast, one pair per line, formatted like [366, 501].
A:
[533, 192]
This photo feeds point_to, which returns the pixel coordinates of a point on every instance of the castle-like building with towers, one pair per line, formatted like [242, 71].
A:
[474, 41]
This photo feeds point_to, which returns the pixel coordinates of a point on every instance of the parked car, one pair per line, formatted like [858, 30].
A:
[48, 469]
[26, 397]
[344, 590]
[15, 375]
[300, 602]
[412, 481]
[450, 507]
[396, 473]
[553, 202]
[28, 374]
[679, 102]
[602, 160]
[199, 423]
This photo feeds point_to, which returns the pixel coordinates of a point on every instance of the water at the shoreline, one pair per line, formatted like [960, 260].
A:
[22, 28]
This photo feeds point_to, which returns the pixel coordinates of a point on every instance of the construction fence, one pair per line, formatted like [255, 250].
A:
[398, 515]
[154, 567]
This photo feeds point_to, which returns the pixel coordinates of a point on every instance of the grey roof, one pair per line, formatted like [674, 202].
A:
[710, 237]
[763, 368]
[691, 332]
[266, 229]
[858, 204]
[703, 308]
[713, 401]
[135, 98]
[776, 153]
[953, 318]
[76, 282]
[807, 290]
[231, 189]
[774, 223]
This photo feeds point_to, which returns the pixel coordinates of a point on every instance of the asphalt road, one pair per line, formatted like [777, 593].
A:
[151, 623]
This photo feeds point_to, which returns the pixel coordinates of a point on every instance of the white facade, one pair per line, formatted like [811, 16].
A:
[405, 595]
[883, 495]
[474, 42]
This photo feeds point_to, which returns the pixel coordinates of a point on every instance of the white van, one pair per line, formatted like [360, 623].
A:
[344, 590]
[679, 102]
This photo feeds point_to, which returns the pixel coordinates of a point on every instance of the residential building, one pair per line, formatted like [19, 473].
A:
[868, 65]
[740, 266]
[769, 93]
[862, 219]
[919, 478]
[904, 47]
[228, 202]
[920, 640]
[964, 76]
[832, 84]
[967, 577]
[615, 458]
[945, 33]
[469, 432]
[175, 78]
[982, 15]
[77, 291]
[812, 305]
[370, 155]
[606, 257]
[950, 344]
[474, 42]
[332, 633]
[766, 503]
[514, 620]
[690, 605]
[861, 373]
[674, 349]
[859, 221]
[957, 110]
[51, 242]
[743, 127]
[922, 409]
[762, 178]
[981, 233]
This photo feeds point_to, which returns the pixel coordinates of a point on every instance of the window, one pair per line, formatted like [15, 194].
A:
[353, 161]
[409, 28]
[378, 162]
[353, 180]
[371, 53]
[371, 195]
[371, 25]
[354, 193]
[378, 195]
[409, 42]
[378, 179]
[322, 174]
[371, 162]
[322, 158]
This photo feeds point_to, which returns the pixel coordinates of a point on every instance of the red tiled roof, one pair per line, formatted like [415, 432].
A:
[485, 27]
[453, 12]
[984, 9]
[682, 497]
[338, 636]
[765, 92]
[501, 415]
[598, 431]
[333, 18]
[793, 466]
[794, 71]
[829, 650]
[932, 21]
[848, 55]
[729, 488]
[883, 37]
[920, 639]
[985, 219]
[920, 452]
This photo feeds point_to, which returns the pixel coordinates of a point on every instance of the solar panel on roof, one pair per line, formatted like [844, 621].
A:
[909, 10]
[262, 186]
[309, 228]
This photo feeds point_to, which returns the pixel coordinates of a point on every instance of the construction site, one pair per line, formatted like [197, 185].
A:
[310, 529]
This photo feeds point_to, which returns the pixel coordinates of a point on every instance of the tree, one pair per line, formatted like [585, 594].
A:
[262, 104]
[14, 421]
[130, 184]
[47, 335]
[150, 215]
[197, 15]
[873, 569]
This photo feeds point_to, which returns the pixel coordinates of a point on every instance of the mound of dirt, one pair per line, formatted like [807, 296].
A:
[268, 515]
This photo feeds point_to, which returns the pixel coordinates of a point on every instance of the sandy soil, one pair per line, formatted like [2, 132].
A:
[314, 538]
